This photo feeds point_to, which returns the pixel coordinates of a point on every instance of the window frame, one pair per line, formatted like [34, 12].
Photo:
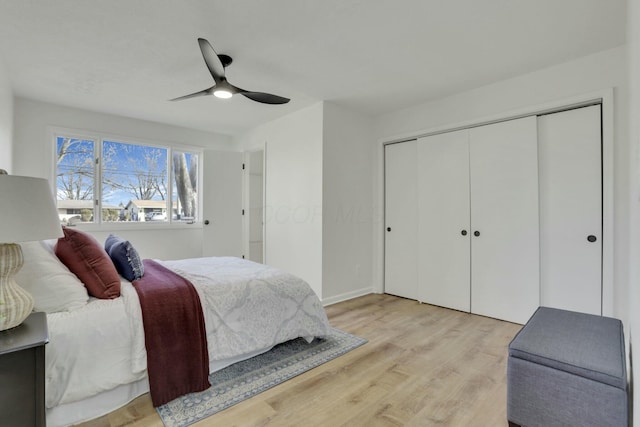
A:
[99, 137]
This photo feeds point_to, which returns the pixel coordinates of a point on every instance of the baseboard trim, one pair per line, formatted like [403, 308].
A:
[346, 296]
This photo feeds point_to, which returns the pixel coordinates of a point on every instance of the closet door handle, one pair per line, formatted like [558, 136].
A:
[592, 238]
[476, 233]
[388, 228]
[463, 232]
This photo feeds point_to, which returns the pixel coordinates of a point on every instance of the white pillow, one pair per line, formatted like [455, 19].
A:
[53, 287]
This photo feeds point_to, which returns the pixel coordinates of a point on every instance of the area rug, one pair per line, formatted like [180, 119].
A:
[245, 379]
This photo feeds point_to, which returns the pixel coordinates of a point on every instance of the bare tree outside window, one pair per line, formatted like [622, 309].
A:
[138, 170]
[185, 171]
[76, 172]
[75, 179]
[134, 181]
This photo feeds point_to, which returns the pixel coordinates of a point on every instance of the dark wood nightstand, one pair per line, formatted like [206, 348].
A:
[22, 373]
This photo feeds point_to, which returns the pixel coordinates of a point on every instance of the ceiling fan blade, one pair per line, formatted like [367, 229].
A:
[223, 89]
[212, 60]
[193, 95]
[265, 98]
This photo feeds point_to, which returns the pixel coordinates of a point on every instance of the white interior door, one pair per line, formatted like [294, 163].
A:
[504, 220]
[401, 222]
[222, 204]
[569, 145]
[444, 217]
[255, 214]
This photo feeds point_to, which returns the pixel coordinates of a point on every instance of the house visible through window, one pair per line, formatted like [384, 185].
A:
[75, 179]
[124, 181]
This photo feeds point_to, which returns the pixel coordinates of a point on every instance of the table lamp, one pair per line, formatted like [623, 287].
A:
[28, 212]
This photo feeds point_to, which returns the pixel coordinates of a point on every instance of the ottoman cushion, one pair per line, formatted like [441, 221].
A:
[582, 344]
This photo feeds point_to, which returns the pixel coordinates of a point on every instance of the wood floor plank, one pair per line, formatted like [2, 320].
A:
[423, 365]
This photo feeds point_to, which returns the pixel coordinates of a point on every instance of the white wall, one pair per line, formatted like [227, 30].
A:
[319, 197]
[33, 155]
[293, 175]
[596, 72]
[6, 120]
[633, 326]
[173, 243]
[33, 150]
[347, 204]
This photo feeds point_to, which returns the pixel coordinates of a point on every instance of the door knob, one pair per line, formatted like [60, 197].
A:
[206, 222]
[463, 232]
[476, 233]
[592, 238]
[388, 228]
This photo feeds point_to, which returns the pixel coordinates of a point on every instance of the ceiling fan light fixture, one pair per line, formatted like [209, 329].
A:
[223, 93]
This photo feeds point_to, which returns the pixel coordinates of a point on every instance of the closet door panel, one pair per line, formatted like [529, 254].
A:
[443, 223]
[401, 221]
[504, 220]
[569, 144]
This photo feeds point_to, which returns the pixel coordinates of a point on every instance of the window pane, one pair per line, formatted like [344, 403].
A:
[185, 186]
[75, 175]
[134, 182]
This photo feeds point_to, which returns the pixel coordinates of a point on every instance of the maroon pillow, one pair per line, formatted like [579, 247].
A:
[85, 257]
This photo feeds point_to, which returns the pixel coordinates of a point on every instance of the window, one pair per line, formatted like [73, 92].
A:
[185, 185]
[134, 181]
[124, 181]
[75, 178]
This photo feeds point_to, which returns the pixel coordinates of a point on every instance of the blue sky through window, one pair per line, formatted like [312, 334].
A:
[133, 172]
[128, 172]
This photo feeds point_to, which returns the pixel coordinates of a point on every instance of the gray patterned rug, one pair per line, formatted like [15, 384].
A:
[245, 379]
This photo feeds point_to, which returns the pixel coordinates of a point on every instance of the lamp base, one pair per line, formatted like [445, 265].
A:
[16, 304]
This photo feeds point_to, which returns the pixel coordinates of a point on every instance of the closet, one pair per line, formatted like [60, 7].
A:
[500, 218]
[570, 157]
[444, 220]
[478, 220]
[401, 213]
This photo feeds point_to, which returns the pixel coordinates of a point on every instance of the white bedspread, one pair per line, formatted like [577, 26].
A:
[247, 307]
[89, 351]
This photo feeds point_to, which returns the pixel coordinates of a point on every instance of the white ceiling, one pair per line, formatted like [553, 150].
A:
[129, 57]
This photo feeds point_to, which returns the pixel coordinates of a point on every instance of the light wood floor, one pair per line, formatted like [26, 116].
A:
[423, 365]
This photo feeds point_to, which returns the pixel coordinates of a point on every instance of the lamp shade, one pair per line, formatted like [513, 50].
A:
[27, 210]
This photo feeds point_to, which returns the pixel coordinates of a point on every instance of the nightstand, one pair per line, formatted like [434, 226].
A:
[22, 373]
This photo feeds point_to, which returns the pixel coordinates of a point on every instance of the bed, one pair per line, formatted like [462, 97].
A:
[96, 359]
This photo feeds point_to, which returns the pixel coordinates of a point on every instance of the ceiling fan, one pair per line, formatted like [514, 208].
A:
[222, 88]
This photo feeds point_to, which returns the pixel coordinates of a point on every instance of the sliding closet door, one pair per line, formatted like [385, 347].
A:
[504, 220]
[401, 222]
[571, 209]
[443, 224]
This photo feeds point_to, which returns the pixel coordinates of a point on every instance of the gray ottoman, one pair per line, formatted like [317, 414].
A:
[567, 369]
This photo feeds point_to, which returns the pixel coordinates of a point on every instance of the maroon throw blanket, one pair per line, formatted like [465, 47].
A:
[174, 334]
